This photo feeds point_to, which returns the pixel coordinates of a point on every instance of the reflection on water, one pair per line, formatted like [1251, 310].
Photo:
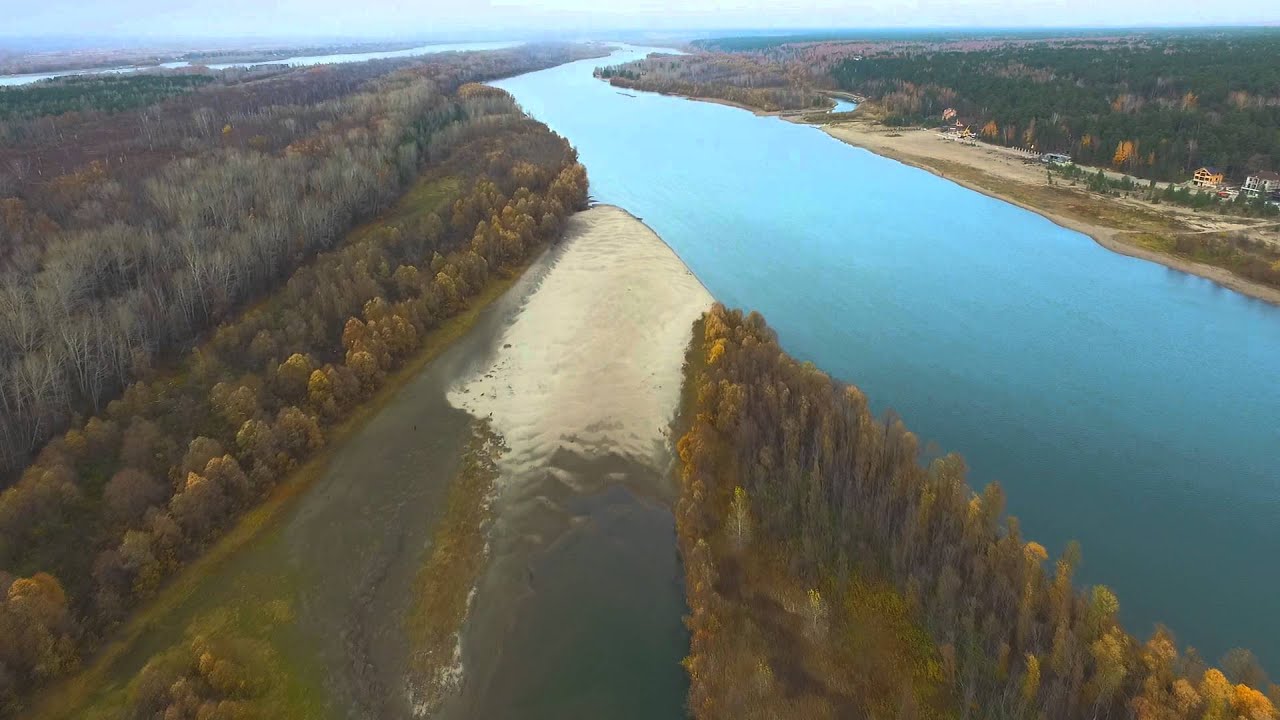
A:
[579, 613]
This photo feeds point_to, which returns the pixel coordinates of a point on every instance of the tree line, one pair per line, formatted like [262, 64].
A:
[1154, 106]
[105, 93]
[124, 236]
[116, 504]
[777, 446]
[738, 79]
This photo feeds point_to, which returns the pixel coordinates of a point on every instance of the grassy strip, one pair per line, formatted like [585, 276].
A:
[70, 697]
[442, 591]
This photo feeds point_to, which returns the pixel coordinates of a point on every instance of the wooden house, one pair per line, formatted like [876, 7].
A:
[1207, 177]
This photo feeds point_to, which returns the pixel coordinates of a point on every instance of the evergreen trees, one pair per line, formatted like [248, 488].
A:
[1156, 106]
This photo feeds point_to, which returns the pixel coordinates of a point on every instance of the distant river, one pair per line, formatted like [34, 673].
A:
[1120, 403]
[303, 60]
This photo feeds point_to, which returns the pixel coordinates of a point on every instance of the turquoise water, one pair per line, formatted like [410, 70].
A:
[1120, 403]
[843, 105]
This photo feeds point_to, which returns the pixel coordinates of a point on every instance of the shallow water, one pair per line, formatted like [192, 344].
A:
[300, 61]
[579, 612]
[843, 105]
[1120, 403]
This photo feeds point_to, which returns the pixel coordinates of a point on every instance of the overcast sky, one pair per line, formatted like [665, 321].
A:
[404, 18]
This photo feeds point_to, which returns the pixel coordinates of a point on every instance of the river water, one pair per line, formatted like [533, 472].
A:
[579, 613]
[843, 105]
[1120, 403]
[300, 61]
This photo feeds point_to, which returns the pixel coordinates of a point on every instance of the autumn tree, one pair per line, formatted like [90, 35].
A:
[1124, 154]
[740, 518]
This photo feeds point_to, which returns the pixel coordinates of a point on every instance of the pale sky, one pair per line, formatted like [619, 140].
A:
[496, 18]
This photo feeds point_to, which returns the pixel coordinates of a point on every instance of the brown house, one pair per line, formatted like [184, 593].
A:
[1207, 177]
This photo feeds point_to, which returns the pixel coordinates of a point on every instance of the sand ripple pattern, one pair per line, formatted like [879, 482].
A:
[592, 363]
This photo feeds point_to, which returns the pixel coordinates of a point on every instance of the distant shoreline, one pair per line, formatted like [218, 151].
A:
[862, 136]
[871, 138]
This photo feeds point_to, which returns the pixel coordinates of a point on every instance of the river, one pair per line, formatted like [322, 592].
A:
[300, 61]
[1120, 403]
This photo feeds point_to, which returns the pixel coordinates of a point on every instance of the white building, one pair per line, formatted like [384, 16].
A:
[1261, 183]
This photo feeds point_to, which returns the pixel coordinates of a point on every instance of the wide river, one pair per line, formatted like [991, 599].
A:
[299, 61]
[1120, 403]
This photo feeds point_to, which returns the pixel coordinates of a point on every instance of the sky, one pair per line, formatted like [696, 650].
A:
[475, 19]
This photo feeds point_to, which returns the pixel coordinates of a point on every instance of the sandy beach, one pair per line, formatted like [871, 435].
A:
[1116, 224]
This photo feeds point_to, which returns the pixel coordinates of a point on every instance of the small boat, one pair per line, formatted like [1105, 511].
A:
[627, 94]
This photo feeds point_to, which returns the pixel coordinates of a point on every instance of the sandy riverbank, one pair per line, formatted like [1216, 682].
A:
[1118, 225]
[794, 115]
[583, 576]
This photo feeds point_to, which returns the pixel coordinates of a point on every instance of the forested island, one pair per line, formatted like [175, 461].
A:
[736, 79]
[184, 296]
[830, 574]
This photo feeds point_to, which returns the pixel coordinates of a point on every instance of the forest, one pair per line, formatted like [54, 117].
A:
[1153, 107]
[830, 573]
[741, 80]
[186, 330]
[125, 235]
[105, 93]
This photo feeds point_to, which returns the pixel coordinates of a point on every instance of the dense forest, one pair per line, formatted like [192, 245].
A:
[123, 236]
[750, 43]
[830, 574]
[1151, 107]
[106, 93]
[737, 79]
[112, 507]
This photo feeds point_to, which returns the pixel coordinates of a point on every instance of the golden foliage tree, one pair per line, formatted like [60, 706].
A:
[1125, 153]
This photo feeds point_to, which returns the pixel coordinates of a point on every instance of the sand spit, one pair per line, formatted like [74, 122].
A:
[593, 360]
[582, 385]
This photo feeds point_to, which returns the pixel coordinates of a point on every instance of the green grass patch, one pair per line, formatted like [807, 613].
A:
[452, 568]
[425, 196]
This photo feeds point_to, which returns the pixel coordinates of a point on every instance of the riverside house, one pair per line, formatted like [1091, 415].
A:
[1261, 183]
[1207, 177]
